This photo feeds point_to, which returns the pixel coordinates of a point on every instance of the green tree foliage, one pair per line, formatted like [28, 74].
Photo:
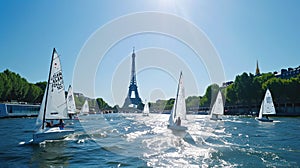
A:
[210, 95]
[159, 105]
[79, 100]
[276, 86]
[34, 94]
[41, 85]
[169, 104]
[15, 88]
[192, 101]
[231, 97]
[244, 87]
[294, 89]
[250, 89]
[7, 86]
[140, 106]
[102, 104]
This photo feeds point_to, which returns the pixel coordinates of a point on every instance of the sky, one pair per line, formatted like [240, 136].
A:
[238, 32]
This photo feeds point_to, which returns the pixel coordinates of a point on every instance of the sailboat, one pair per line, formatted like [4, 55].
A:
[85, 108]
[71, 103]
[217, 108]
[266, 108]
[178, 112]
[53, 106]
[146, 109]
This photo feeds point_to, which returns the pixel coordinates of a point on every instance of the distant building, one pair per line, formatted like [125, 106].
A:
[133, 99]
[18, 110]
[288, 73]
[257, 71]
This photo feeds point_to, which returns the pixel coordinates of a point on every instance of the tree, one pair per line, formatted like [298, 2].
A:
[7, 86]
[192, 101]
[169, 104]
[276, 87]
[210, 95]
[258, 82]
[159, 105]
[140, 106]
[293, 89]
[231, 97]
[102, 104]
[33, 94]
[41, 85]
[2, 84]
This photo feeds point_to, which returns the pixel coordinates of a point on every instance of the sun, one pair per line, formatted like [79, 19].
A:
[175, 6]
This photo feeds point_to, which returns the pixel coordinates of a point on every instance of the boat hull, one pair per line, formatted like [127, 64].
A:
[263, 119]
[177, 128]
[215, 119]
[51, 134]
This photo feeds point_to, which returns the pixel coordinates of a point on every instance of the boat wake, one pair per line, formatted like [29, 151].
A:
[133, 135]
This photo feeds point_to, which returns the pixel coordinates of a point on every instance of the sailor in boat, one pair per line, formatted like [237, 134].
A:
[178, 121]
[49, 124]
[61, 124]
[70, 116]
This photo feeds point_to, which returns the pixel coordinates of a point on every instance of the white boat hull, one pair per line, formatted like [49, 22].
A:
[215, 119]
[51, 134]
[263, 119]
[177, 128]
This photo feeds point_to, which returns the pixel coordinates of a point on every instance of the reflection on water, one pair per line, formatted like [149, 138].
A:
[133, 140]
[49, 153]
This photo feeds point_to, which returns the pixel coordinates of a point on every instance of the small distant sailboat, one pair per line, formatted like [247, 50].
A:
[217, 108]
[146, 109]
[53, 106]
[178, 112]
[266, 108]
[71, 103]
[85, 108]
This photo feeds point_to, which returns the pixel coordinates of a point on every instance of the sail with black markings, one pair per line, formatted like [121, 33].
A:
[53, 106]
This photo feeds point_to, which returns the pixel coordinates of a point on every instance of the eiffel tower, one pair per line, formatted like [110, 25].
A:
[133, 99]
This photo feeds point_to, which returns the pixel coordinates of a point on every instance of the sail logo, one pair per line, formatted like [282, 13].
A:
[57, 81]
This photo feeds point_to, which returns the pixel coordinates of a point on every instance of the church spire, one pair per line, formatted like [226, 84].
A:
[257, 72]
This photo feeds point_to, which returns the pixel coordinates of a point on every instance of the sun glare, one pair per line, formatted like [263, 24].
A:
[174, 6]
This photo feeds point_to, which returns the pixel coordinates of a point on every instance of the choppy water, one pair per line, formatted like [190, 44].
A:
[132, 140]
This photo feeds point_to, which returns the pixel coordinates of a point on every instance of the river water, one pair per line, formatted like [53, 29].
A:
[133, 140]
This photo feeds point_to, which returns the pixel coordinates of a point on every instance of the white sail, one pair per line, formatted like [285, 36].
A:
[85, 108]
[56, 103]
[261, 110]
[218, 107]
[55, 107]
[39, 120]
[70, 101]
[146, 108]
[267, 104]
[179, 107]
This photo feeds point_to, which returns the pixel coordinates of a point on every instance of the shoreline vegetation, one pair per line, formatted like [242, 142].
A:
[243, 96]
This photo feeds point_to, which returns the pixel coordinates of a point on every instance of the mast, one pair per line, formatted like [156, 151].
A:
[177, 94]
[48, 89]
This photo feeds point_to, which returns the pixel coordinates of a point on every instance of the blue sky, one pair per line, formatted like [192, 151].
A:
[241, 32]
